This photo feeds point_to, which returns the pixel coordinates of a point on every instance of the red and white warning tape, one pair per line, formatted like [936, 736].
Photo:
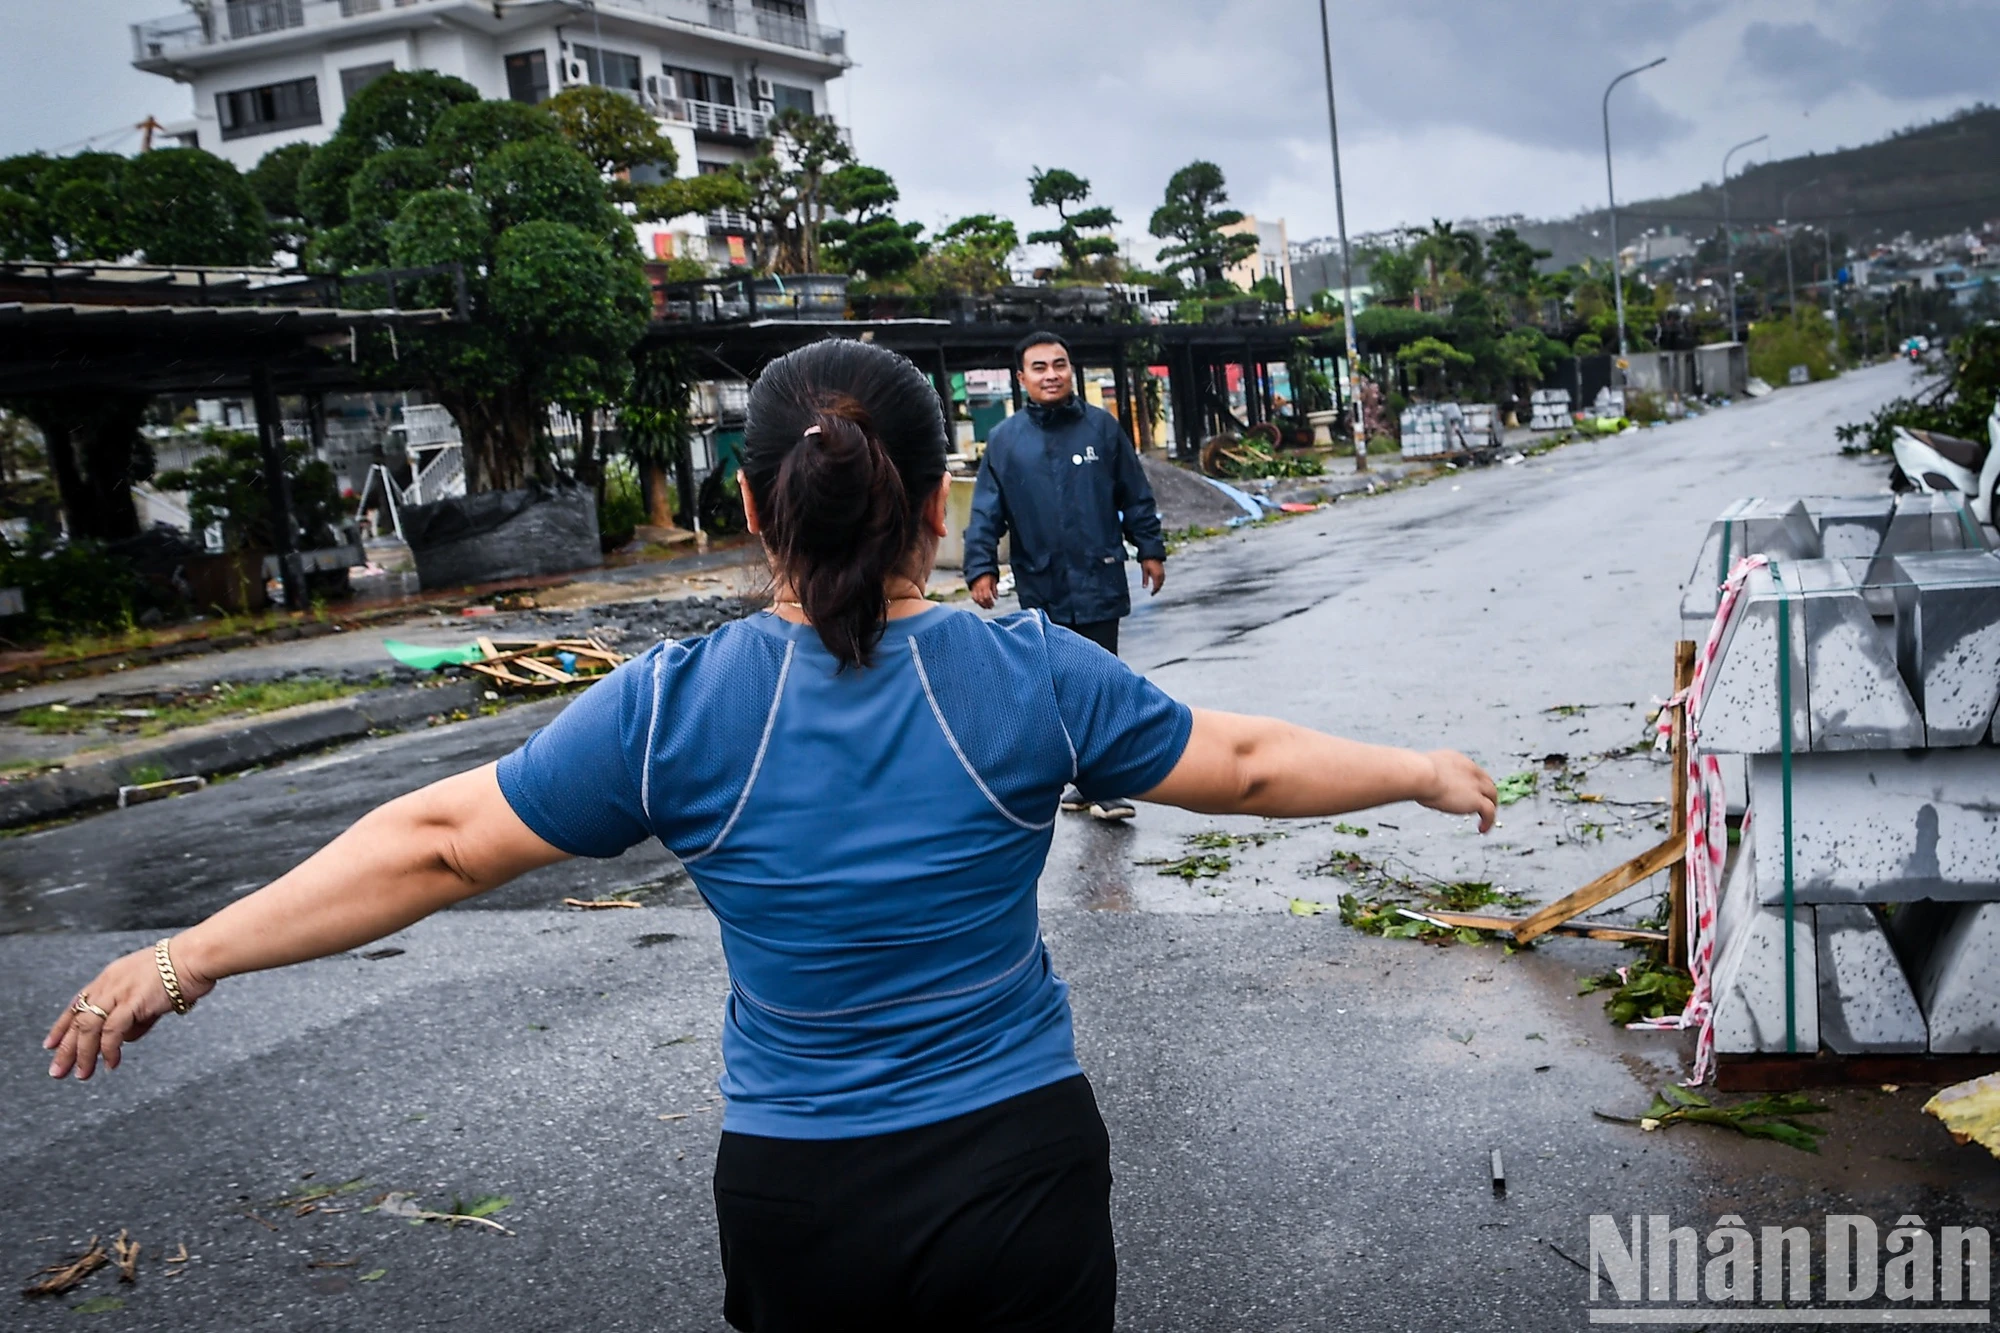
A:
[1707, 835]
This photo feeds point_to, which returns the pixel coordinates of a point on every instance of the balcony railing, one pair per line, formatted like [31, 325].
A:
[726, 120]
[162, 38]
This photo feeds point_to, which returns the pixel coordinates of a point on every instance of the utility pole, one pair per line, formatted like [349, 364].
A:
[1611, 198]
[1359, 428]
[1728, 237]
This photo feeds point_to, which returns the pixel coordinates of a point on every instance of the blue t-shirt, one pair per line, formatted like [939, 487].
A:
[869, 840]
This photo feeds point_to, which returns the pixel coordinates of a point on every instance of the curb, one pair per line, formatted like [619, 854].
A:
[71, 791]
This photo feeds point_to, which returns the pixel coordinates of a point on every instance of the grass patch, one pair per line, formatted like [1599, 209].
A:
[223, 701]
[1180, 537]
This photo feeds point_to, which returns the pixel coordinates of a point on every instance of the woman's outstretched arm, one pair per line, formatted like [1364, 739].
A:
[398, 864]
[1240, 765]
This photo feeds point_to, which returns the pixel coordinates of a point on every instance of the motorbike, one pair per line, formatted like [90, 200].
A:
[1930, 460]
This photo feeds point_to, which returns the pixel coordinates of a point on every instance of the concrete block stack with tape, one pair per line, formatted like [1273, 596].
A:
[1868, 871]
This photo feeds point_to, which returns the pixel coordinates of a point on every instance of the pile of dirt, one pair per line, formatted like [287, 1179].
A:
[630, 626]
[1186, 500]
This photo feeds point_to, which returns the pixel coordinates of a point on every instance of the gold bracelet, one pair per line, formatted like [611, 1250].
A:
[169, 978]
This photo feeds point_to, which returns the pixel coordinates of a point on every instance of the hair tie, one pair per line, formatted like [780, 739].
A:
[809, 430]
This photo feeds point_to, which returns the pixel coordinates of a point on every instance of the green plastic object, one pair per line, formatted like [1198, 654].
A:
[430, 659]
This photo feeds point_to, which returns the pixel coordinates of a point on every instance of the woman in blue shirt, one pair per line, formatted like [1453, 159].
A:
[862, 785]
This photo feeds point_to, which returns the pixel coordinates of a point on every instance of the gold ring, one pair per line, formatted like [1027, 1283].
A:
[84, 1006]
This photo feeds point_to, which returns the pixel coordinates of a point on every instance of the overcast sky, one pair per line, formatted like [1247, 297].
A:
[1450, 108]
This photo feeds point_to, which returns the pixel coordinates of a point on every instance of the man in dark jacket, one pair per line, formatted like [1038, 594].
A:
[1064, 480]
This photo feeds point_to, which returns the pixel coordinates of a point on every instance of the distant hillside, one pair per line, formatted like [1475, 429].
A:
[1927, 181]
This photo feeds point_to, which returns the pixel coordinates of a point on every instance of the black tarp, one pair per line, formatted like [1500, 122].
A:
[495, 535]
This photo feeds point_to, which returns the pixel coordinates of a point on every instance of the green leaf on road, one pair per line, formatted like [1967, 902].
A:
[375, 1275]
[1518, 786]
[98, 1305]
[1307, 907]
[1206, 865]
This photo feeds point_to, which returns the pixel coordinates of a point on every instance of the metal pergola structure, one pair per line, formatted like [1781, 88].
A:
[1195, 356]
[75, 329]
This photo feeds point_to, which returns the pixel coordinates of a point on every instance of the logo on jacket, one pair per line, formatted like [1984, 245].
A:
[1089, 455]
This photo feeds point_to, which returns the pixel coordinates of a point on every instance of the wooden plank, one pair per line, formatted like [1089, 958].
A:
[1505, 924]
[1677, 884]
[486, 647]
[540, 668]
[500, 673]
[1608, 885]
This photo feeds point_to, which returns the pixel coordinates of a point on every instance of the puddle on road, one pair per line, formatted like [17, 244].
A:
[1103, 875]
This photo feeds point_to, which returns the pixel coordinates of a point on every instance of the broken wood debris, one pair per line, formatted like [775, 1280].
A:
[1608, 885]
[599, 904]
[59, 1278]
[1508, 924]
[128, 1257]
[544, 663]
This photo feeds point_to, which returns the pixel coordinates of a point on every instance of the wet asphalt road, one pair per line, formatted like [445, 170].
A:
[1301, 1116]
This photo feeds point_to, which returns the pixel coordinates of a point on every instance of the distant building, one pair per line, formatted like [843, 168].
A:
[269, 72]
[1654, 248]
[1272, 258]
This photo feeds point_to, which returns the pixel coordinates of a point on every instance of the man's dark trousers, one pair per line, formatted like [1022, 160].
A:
[1103, 633]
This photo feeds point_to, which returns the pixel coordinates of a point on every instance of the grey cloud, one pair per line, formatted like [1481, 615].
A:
[1912, 50]
[1802, 59]
[1927, 48]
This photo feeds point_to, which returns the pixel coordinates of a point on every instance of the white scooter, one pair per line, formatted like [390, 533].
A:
[1927, 460]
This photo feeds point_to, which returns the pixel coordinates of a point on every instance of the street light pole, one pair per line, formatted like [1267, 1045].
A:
[1611, 198]
[1359, 428]
[1784, 220]
[1728, 238]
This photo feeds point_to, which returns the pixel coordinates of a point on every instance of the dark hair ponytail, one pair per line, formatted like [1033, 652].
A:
[843, 443]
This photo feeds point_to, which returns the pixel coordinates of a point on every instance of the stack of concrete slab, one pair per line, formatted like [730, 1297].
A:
[1885, 821]
[1448, 428]
[1425, 430]
[1549, 409]
[1864, 533]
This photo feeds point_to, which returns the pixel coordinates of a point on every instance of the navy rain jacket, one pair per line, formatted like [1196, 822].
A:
[1066, 482]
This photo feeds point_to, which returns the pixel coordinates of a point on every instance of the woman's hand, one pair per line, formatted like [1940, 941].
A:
[416, 855]
[133, 997]
[1462, 788]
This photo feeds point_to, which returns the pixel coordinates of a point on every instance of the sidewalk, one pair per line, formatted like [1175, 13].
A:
[354, 651]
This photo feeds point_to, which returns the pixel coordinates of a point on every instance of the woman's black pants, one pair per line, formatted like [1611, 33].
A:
[998, 1219]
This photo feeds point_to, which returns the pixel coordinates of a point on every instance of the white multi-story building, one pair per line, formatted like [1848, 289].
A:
[264, 73]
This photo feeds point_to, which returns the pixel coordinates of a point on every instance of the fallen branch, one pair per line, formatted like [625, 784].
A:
[399, 1205]
[59, 1278]
[598, 904]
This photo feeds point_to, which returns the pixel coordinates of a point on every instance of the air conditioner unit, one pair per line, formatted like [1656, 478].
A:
[662, 94]
[575, 73]
[764, 93]
[766, 107]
